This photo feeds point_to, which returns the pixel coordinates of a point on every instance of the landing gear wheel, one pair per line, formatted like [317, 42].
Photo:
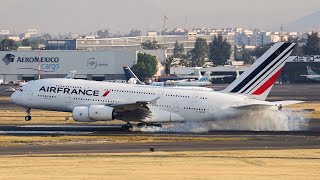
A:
[27, 118]
[140, 125]
[127, 127]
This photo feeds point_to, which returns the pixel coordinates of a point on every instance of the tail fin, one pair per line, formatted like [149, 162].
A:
[199, 75]
[71, 74]
[237, 71]
[130, 76]
[204, 77]
[258, 80]
[310, 71]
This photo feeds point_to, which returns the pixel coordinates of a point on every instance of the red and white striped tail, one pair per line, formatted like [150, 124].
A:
[258, 80]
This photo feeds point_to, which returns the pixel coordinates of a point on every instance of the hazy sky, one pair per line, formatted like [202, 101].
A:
[123, 15]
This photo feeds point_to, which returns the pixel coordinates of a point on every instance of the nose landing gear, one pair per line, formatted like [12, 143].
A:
[28, 117]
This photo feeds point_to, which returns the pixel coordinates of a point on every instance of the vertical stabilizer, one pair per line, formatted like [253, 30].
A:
[258, 80]
[310, 71]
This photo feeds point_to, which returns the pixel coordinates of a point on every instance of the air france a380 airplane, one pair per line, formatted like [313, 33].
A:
[150, 106]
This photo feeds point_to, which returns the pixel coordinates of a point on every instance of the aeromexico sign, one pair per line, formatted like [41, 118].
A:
[49, 64]
[311, 58]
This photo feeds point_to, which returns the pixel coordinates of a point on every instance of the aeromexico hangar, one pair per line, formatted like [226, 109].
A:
[297, 66]
[91, 65]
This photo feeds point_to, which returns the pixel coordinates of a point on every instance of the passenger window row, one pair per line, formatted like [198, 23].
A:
[134, 92]
[164, 106]
[95, 100]
[172, 95]
[46, 96]
[61, 86]
[197, 109]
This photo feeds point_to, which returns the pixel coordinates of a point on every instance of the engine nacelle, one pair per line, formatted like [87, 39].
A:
[93, 113]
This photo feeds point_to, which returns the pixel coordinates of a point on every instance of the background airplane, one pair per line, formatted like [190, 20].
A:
[311, 74]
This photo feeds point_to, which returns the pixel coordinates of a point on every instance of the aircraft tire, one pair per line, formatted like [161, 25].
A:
[27, 118]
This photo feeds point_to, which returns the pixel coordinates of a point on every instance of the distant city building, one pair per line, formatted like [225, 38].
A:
[15, 38]
[4, 32]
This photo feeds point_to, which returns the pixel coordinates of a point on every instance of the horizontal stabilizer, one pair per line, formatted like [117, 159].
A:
[252, 106]
[287, 102]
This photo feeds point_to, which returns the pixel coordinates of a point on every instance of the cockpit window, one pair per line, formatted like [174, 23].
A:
[21, 90]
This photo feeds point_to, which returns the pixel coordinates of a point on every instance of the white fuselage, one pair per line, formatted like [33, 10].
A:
[171, 104]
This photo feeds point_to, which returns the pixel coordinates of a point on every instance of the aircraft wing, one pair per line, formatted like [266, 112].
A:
[220, 76]
[138, 110]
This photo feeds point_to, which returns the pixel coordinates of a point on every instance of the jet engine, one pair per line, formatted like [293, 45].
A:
[93, 113]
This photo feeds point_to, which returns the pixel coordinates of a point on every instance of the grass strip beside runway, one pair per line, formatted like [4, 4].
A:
[244, 164]
[54, 140]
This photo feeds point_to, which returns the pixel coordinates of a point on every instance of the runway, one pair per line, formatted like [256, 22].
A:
[252, 142]
[31, 130]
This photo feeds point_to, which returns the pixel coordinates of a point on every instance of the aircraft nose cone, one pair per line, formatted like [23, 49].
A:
[14, 97]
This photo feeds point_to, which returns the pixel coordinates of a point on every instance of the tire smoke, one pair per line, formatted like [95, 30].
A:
[267, 120]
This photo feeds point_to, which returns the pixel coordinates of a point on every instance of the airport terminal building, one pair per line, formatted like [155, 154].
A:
[297, 66]
[91, 65]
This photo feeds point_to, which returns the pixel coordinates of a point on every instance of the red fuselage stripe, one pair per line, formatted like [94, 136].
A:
[106, 93]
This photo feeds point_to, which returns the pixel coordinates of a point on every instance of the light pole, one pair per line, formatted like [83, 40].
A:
[39, 62]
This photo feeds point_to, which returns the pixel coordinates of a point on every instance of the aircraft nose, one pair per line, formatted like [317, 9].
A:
[14, 97]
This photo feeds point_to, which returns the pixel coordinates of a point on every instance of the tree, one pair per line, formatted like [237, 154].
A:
[26, 42]
[297, 50]
[260, 50]
[178, 50]
[103, 33]
[199, 53]
[46, 36]
[134, 33]
[177, 58]
[148, 45]
[8, 45]
[219, 50]
[146, 66]
[246, 56]
[312, 46]
[35, 42]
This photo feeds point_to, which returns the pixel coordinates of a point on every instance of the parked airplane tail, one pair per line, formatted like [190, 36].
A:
[258, 80]
[310, 71]
[130, 76]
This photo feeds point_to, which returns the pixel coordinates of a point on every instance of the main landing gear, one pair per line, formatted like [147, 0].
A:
[28, 117]
[127, 127]
[141, 125]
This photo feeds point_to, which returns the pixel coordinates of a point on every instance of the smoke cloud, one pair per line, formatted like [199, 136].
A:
[267, 120]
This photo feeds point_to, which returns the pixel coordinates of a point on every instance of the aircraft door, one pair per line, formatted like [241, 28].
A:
[160, 92]
[30, 94]
[194, 97]
[176, 108]
[68, 99]
[210, 109]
